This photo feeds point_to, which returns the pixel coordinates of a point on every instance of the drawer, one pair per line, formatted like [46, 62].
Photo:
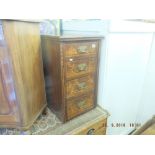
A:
[79, 86]
[80, 48]
[78, 67]
[79, 105]
[97, 128]
[101, 131]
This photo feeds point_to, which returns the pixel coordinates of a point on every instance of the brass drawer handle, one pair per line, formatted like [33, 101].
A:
[91, 132]
[81, 104]
[82, 49]
[81, 67]
[82, 85]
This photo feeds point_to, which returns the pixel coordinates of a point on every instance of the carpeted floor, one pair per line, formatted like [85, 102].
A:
[42, 125]
[49, 124]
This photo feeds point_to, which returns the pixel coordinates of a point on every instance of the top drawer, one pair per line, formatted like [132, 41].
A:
[79, 48]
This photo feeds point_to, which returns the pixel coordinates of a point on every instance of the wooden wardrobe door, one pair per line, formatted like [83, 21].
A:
[8, 102]
[4, 101]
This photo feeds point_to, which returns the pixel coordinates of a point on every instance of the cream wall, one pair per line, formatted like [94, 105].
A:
[147, 102]
[126, 62]
[130, 72]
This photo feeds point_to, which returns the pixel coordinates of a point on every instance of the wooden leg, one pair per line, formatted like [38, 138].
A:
[45, 111]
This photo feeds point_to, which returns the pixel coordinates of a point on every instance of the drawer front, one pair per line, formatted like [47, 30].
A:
[80, 105]
[78, 67]
[97, 128]
[101, 131]
[79, 86]
[80, 48]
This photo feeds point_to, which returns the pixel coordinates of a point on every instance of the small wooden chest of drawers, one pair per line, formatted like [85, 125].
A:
[71, 74]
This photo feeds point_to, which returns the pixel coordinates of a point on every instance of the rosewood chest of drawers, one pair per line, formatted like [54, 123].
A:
[71, 74]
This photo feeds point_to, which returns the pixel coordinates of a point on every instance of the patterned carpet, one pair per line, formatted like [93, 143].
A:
[42, 125]
[49, 124]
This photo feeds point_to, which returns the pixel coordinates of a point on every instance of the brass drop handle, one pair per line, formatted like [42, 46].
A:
[82, 85]
[82, 49]
[91, 132]
[81, 67]
[81, 104]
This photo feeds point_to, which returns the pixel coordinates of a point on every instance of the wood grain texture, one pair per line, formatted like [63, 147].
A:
[85, 48]
[78, 105]
[8, 102]
[80, 67]
[150, 130]
[52, 71]
[23, 45]
[80, 86]
[97, 128]
[75, 62]
[7, 99]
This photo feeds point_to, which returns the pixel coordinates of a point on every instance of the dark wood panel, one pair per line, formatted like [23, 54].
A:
[52, 72]
[79, 67]
[81, 48]
[79, 105]
[79, 86]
